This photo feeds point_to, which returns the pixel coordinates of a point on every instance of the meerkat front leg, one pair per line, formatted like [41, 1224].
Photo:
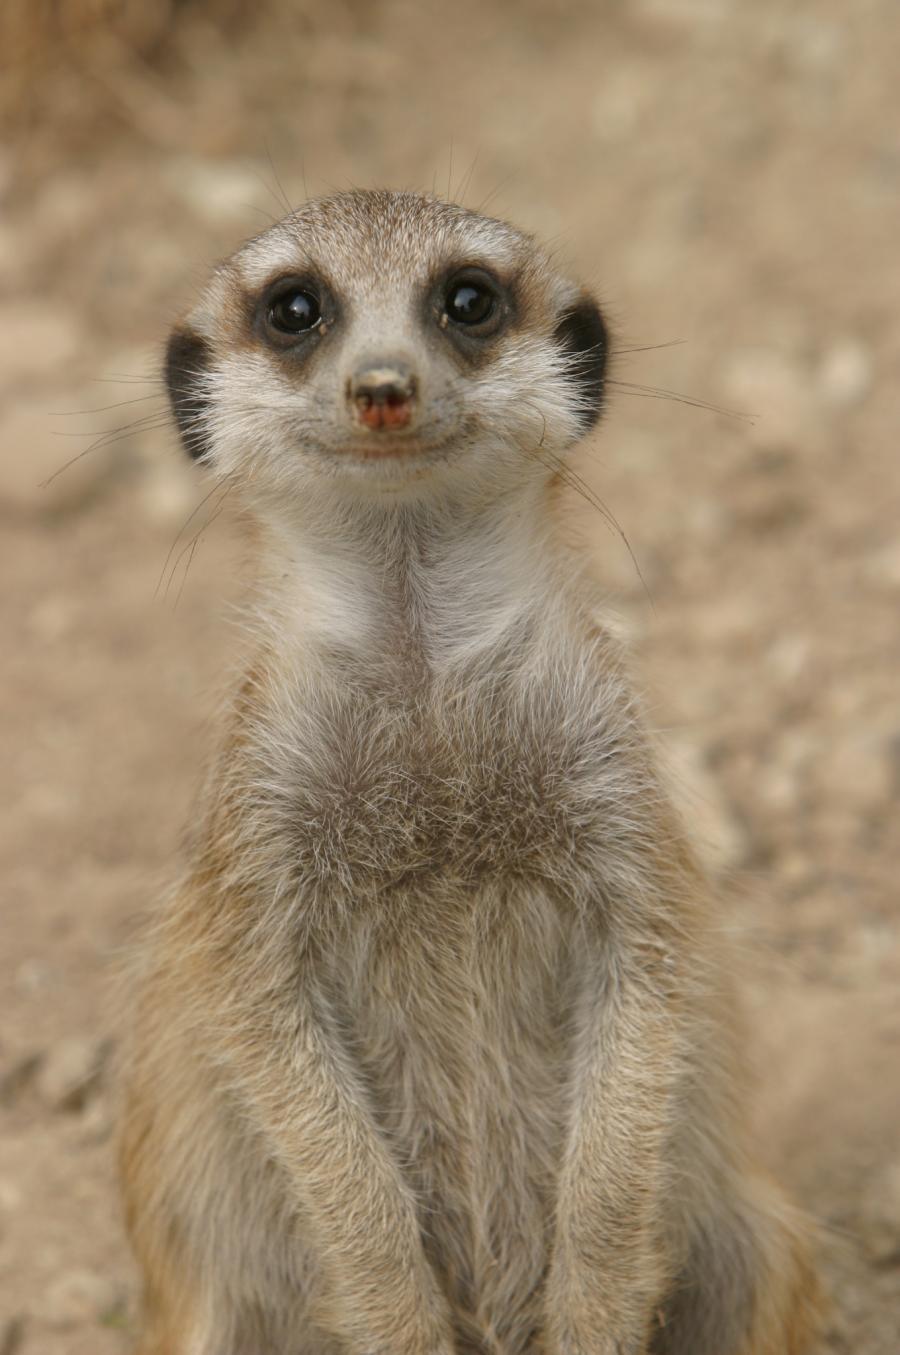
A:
[384, 1294]
[607, 1268]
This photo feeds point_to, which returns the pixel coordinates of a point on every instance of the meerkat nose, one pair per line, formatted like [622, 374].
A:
[382, 396]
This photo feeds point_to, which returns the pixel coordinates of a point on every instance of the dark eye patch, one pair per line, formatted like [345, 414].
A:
[583, 335]
[188, 359]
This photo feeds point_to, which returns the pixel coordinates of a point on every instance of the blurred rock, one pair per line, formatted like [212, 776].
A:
[71, 1071]
[770, 498]
[15, 1078]
[9, 249]
[856, 768]
[845, 373]
[35, 341]
[778, 392]
[620, 104]
[12, 1196]
[778, 787]
[35, 478]
[170, 487]
[730, 619]
[12, 1333]
[79, 1296]
[781, 774]
[789, 657]
[32, 976]
[97, 1121]
[812, 43]
[713, 826]
[684, 13]
[882, 567]
[224, 188]
[52, 619]
[879, 1223]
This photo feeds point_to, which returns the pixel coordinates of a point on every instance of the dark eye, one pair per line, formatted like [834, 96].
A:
[469, 302]
[295, 312]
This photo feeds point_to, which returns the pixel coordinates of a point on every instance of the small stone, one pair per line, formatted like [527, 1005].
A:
[80, 1296]
[879, 1224]
[71, 1072]
[845, 373]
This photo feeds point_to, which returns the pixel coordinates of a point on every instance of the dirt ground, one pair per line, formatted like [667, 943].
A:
[727, 176]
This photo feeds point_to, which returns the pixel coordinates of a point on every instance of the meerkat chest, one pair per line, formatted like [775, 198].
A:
[373, 793]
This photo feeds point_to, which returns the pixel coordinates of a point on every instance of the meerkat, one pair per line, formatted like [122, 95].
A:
[435, 1048]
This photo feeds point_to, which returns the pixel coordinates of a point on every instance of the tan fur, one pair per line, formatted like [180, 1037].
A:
[435, 1046]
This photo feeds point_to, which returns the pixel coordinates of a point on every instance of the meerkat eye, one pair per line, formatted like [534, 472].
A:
[294, 311]
[470, 301]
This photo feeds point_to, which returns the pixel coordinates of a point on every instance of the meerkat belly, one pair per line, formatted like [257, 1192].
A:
[454, 1014]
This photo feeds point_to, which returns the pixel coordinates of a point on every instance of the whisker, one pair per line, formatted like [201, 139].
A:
[190, 546]
[581, 487]
[187, 569]
[105, 440]
[580, 484]
[155, 418]
[494, 192]
[130, 379]
[261, 211]
[647, 347]
[291, 210]
[658, 393]
[100, 409]
[180, 533]
[467, 178]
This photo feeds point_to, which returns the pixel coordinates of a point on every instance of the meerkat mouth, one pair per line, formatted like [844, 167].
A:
[396, 451]
[409, 451]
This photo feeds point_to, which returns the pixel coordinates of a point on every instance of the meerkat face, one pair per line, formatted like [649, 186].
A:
[386, 342]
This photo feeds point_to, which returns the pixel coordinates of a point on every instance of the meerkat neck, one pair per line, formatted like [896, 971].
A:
[450, 579]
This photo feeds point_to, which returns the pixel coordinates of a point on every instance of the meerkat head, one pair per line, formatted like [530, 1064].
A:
[386, 343]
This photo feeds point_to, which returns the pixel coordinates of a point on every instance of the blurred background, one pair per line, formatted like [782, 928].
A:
[727, 177]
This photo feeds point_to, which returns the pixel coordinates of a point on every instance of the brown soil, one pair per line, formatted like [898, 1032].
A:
[728, 177]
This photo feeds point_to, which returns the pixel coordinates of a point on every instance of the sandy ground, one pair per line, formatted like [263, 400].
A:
[728, 177]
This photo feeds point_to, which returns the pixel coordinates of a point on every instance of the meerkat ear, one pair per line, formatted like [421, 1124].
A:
[583, 335]
[188, 360]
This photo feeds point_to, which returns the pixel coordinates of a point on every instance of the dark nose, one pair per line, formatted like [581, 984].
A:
[382, 395]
